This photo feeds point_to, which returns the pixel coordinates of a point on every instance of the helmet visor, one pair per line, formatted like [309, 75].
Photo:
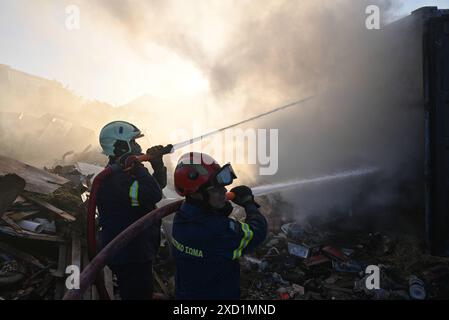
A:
[225, 176]
[136, 149]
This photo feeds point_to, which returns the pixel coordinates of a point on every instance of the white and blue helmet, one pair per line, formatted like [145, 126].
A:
[115, 137]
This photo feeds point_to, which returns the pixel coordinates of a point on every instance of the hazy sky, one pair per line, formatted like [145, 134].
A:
[100, 62]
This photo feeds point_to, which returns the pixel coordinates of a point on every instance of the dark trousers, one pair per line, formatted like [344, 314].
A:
[135, 280]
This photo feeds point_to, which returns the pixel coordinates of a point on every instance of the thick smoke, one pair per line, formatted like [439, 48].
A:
[368, 112]
[260, 54]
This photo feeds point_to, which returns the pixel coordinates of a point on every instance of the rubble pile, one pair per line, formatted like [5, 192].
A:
[43, 224]
[304, 263]
[42, 229]
[301, 261]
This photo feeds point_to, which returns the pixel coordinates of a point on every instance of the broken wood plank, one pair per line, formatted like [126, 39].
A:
[59, 273]
[76, 250]
[51, 208]
[10, 187]
[12, 224]
[37, 180]
[30, 235]
[62, 257]
[17, 216]
[13, 251]
[108, 282]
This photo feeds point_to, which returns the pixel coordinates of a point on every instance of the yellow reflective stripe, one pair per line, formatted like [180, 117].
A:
[244, 242]
[134, 193]
[247, 236]
[251, 234]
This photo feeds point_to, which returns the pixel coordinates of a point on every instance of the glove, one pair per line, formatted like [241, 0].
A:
[243, 196]
[156, 154]
[128, 162]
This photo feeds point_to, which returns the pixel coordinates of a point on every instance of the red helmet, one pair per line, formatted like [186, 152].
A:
[196, 169]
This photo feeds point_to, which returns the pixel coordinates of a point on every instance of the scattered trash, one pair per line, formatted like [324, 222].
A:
[273, 251]
[278, 278]
[334, 253]
[260, 264]
[31, 226]
[43, 231]
[290, 292]
[47, 225]
[350, 266]
[297, 289]
[283, 294]
[298, 250]
[334, 266]
[316, 260]
[34, 220]
[293, 230]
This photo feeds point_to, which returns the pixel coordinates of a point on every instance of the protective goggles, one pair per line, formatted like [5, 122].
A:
[224, 176]
[135, 147]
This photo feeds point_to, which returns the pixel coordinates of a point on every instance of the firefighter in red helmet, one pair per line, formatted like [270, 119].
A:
[207, 243]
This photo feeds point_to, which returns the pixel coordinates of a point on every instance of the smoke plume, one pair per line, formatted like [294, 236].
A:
[257, 55]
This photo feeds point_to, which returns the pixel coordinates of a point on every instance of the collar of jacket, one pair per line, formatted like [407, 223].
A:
[189, 210]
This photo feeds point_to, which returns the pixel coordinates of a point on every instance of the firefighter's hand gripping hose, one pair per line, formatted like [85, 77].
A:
[242, 196]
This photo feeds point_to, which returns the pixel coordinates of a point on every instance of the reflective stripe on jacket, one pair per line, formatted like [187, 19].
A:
[207, 246]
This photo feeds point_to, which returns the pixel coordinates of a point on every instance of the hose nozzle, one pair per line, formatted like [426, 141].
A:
[166, 150]
[230, 195]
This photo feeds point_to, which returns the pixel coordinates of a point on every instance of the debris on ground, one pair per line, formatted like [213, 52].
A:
[309, 260]
[305, 262]
[42, 230]
[43, 225]
[37, 180]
